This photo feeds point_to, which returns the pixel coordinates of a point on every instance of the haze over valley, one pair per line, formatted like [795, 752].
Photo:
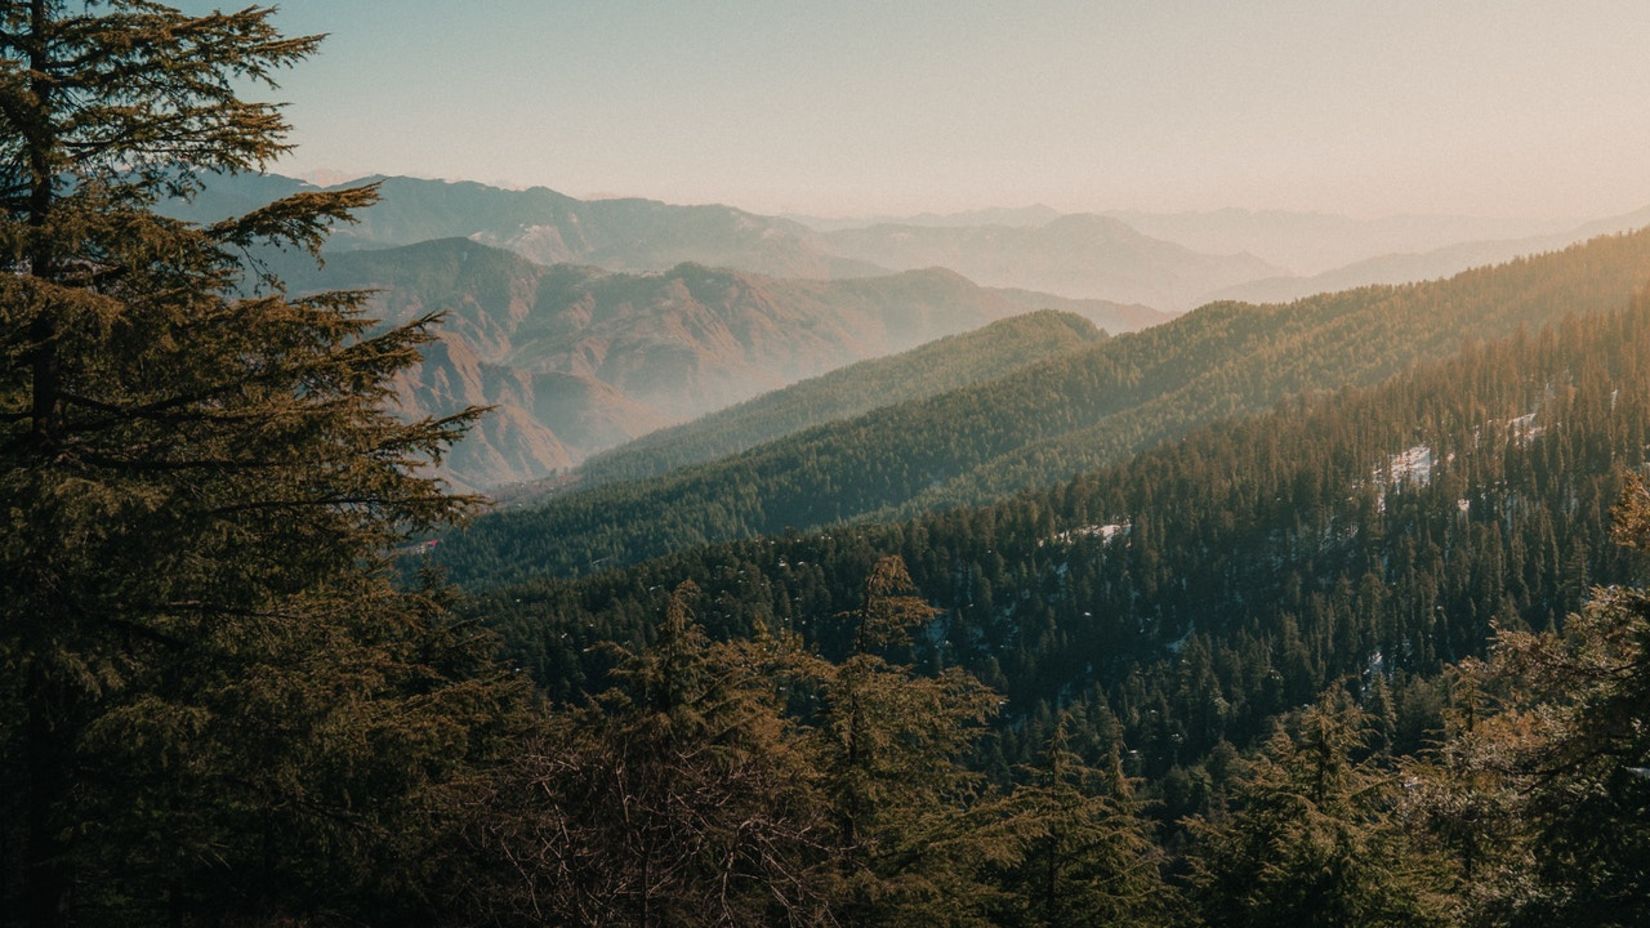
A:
[589, 323]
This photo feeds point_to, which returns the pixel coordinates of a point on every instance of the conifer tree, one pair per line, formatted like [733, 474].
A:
[1089, 856]
[1542, 789]
[680, 797]
[1312, 839]
[893, 750]
[216, 705]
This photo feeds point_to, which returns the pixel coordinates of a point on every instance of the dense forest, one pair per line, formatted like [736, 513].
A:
[1379, 656]
[1048, 422]
[1198, 590]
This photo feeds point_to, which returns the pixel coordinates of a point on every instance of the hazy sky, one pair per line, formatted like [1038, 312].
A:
[1371, 107]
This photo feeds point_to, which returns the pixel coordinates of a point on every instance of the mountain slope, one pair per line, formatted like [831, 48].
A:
[1192, 594]
[1078, 255]
[934, 368]
[578, 360]
[1047, 422]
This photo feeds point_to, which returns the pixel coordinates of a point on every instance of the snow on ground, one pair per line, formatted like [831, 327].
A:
[1106, 533]
[1412, 466]
[1524, 430]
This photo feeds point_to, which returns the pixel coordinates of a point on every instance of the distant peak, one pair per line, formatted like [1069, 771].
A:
[1093, 222]
[936, 274]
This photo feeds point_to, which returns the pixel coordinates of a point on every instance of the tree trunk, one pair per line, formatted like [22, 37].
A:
[46, 876]
[40, 140]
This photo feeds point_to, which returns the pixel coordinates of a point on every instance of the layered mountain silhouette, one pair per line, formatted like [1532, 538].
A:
[577, 359]
[1426, 265]
[552, 228]
[1032, 427]
[1080, 255]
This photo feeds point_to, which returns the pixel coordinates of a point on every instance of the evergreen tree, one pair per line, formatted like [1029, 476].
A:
[892, 749]
[1312, 839]
[680, 797]
[216, 705]
[1089, 856]
[1542, 789]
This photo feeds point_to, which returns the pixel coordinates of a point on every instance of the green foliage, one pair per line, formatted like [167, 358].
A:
[683, 796]
[1088, 854]
[1311, 839]
[1048, 422]
[1541, 792]
[893, 750]
[216, 705]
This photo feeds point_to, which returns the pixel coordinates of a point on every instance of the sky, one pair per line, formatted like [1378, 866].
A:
[839, 107]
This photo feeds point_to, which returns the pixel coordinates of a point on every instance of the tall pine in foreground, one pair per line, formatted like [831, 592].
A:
[215, 706]
[892, 750]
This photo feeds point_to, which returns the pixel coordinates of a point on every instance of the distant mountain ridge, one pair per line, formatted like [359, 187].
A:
[1306, 243]
[578, 359]
[1085, 257]
[1079, 255]
[1043, 423]
[1171, 260]
[1428, 265]
[1031, 216]
[551, 228]
[1312, 243]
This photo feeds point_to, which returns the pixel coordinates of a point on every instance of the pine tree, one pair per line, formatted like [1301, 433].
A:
[216, 704]
[1542, 789]
[680, 797]
[893, 745]
[1312, 839]
[1088, 856]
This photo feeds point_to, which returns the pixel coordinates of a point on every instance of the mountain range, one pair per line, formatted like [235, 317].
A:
[1084, 255]
[696, 308]
[575, 359]
[1048, 421]
[1306, 243]
[1427, 265]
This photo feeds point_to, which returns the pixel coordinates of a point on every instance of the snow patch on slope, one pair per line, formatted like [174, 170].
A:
[1106, 533]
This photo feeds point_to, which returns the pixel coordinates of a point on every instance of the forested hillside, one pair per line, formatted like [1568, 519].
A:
[934, 368]
[1051, 421]
[576, 360]
[1183, 600]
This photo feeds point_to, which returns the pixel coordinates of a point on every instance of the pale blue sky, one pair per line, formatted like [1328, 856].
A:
[1370, 107]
